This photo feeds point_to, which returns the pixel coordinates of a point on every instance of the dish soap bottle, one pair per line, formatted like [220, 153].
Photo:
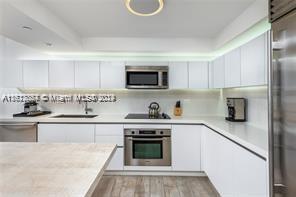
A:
[178, 109]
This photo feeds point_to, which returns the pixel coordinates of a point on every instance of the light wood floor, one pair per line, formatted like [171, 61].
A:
[155, 186]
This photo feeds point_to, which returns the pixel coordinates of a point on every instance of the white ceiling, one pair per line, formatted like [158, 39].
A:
[184, 26]
[179, 18]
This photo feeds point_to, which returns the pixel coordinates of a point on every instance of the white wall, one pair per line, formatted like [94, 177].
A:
[257, 11]
[257, 113]
[1, 71]
[10, 51]
[1, 60]
[152, 45]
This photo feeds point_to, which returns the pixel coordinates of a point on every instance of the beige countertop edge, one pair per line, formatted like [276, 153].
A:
[99, 176]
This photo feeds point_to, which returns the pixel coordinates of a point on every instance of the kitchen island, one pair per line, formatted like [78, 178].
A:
[54, 169]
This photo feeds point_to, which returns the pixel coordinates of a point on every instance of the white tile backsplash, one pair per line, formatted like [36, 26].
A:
[194, 103]
[257, 111]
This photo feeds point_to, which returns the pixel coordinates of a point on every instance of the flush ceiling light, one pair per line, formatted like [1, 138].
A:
[27, 27]
[144, 8]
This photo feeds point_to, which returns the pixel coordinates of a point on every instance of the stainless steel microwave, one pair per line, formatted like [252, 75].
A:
[146, 77]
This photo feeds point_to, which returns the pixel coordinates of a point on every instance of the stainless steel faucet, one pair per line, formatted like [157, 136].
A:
[86, 108]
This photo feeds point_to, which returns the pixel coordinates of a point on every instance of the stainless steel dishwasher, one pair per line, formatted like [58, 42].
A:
[18, 132]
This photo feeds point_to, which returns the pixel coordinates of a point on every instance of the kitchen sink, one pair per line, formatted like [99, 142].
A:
[74, 116]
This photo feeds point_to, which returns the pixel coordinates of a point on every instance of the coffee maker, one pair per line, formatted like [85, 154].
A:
[236, 109]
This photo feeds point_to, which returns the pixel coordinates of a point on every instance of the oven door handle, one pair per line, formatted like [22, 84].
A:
[146, 139]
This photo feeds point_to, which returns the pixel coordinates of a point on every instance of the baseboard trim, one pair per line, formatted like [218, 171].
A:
[153, 173]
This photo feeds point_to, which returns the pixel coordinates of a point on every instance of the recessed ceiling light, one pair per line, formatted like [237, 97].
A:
[140, 7]
[27, 27]
[48, 44]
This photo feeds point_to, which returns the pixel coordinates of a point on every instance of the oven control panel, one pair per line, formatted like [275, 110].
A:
[147, 132]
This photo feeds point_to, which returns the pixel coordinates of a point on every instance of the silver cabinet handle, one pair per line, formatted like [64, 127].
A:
[147, 139]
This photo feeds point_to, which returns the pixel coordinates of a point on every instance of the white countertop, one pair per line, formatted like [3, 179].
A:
[252, 138]
[35, 169]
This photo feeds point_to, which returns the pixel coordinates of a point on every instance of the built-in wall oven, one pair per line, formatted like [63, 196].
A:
[146, 77]
[147, 147]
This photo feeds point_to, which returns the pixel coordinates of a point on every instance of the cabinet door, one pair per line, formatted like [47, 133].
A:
[233, 68]
[109, 129]
[186, 147]
[112, 75]
[218, 161]
[12, 73]
[116, 162]
[72, 133]
[80, 133]
[253, 62]
[178, 75]
[87, 74]
[112, 133]
[35, 73]
[209, 158]
[51, 133]
[109, 133]
[233, 170]
[61, 74]
[198, 75]
[218, 73]
[250, 174]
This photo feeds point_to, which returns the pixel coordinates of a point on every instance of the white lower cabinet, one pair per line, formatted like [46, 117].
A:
[218, 164]
[233, 170]
[186, 147]
[116, 162]
[112, 133]
[73, 133]
[251, 173]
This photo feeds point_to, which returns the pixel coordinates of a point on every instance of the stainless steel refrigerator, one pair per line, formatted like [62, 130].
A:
[282, 99]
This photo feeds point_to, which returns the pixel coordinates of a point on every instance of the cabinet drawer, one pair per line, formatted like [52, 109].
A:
[110, 140]
[109, 129]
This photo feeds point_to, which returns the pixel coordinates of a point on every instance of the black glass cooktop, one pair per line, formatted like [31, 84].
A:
[146, 116]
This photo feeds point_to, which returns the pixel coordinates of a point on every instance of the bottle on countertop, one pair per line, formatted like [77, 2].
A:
[178, 109]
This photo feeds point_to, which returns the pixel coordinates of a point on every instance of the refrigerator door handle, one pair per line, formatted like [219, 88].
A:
[279, 188]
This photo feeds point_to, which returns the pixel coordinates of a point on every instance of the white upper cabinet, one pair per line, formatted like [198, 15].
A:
[61, 74]
[233, 68]
[198, 75]
[87, 74]
[253, 62]
[35, 73]
[217, 72]
[13, 73]
[178, 75]
[112, 75]
[186, 147]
